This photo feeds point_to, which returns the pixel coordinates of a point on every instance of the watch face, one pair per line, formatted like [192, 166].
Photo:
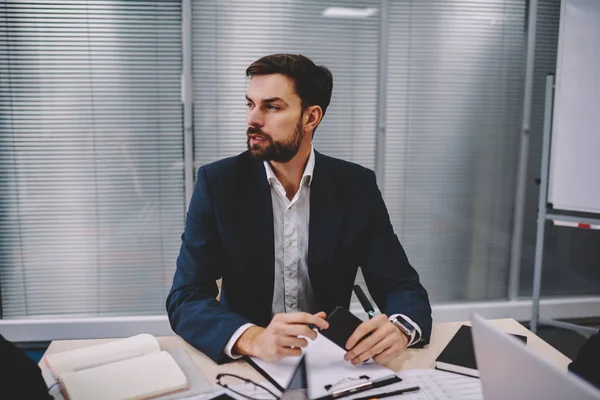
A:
[404, 324]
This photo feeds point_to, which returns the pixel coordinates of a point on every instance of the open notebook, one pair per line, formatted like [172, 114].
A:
[132, 368]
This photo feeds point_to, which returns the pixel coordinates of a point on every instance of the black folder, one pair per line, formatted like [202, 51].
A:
[459, 354]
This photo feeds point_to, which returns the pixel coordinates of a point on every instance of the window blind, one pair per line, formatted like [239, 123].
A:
[91, 164]
[455, 90]
[229, 35]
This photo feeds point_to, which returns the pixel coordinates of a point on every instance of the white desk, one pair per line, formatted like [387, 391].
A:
[410, 359]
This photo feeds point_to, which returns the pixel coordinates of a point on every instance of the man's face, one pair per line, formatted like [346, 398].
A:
[274, 118]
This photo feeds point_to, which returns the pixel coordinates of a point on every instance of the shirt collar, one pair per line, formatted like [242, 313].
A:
[306, 176]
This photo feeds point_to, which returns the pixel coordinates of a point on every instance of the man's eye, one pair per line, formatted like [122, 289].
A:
[249, 105]
[272, 107]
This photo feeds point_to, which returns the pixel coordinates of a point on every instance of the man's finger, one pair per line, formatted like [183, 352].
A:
[388, 355]
[297, 330]
[378, 348]
[366, 344]
[363, 329]
[306, 319]
[320, 314]
[291, 341]
[297, 317]
[284, 352]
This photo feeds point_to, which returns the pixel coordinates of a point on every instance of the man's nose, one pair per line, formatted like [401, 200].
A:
[254, 117]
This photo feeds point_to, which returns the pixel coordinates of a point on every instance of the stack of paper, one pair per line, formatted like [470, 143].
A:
[326, 366]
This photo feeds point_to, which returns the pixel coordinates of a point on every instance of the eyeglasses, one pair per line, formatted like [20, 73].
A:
[245, 387]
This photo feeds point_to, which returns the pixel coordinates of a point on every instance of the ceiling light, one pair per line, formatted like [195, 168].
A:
[347, 12]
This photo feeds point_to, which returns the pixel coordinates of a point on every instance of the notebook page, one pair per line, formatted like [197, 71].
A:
[197, 383]
[326, 366]
[88, 357]
[137, 378]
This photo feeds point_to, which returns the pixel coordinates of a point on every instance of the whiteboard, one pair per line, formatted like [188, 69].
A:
[574, 181]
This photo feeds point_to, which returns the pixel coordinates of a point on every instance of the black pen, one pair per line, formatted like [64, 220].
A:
[362, 297]
[389, 394]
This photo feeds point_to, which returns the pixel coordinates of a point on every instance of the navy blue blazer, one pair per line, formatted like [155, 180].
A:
[229, 234]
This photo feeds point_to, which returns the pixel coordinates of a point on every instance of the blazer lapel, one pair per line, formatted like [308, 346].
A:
[324, 227]
[256, 223]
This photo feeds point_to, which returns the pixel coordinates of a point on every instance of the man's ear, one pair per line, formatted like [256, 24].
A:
[312, 118]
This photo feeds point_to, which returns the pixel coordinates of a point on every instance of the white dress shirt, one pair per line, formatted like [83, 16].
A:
[292, 289]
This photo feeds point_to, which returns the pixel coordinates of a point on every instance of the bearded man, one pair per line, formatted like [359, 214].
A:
[286, 228]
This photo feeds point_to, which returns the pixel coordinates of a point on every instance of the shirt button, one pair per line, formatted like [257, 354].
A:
[289, 243]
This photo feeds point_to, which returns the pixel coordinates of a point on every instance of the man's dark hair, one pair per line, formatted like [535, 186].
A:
[313, 83]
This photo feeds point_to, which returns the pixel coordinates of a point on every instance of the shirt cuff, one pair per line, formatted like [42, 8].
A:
[417, 336]
[236, 335]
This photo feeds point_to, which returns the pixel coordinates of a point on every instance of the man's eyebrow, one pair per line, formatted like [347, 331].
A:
[274, 99]
[270, 100]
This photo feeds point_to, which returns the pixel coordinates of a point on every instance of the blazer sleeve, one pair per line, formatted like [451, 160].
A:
[392, 281]
[194, 312]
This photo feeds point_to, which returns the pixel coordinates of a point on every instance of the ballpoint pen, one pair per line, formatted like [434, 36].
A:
[362, 297]
[389, 394]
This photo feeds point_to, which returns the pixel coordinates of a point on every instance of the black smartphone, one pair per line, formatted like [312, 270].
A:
[342, 324]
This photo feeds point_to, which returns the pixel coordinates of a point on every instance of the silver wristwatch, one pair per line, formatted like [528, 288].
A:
[406, 327]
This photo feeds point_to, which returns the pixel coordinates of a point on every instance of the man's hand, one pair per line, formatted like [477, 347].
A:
[281, 338]
[385, 342]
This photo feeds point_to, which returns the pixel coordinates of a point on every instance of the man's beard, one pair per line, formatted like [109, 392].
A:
[277, 151]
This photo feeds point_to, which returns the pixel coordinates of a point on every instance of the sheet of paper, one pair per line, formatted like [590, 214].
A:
[389, 388]
[440, 385]
[326, 366]
[434, 385]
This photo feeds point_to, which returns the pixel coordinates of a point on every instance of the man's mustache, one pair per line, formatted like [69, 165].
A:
[257, 131]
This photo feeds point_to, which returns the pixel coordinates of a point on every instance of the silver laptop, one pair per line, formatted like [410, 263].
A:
[510, 370]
